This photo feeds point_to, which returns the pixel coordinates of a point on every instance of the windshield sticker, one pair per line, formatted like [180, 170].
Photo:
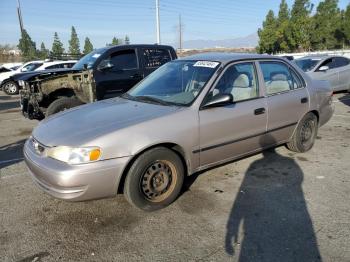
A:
[96, 55]
[209, 64]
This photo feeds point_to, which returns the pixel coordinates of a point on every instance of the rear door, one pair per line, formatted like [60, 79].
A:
[123, 75]
[230, 131]
[287, 99]
[153, 57]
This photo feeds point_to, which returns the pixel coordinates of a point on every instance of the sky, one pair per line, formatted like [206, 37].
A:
[101, 20]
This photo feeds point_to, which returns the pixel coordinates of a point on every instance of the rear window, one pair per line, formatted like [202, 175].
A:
[155, 57]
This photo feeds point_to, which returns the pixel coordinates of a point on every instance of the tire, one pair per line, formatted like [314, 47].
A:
[154, 180]
[10, 88]
[304, 136]
[62, 104]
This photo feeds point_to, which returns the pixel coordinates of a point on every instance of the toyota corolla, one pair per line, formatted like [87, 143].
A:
[188, 115]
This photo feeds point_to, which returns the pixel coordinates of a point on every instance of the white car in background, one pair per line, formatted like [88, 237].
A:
[11, 87]
[7, 67]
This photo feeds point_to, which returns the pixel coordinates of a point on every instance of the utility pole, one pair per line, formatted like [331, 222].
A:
[19, 15]
[157, 21]
[180, 34]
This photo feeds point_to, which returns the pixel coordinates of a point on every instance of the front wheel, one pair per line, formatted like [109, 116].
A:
[62, 104]
[304, 136]
[10, 88]
[154, 180]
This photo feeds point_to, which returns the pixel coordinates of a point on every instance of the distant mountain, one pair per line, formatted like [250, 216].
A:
[246, 41]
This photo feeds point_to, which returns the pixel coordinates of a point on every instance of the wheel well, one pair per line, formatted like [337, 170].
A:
[316, 114]
[62, 92]
[67, 92]
[174, 147]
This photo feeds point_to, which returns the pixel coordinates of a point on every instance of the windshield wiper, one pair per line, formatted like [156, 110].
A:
[152, 100]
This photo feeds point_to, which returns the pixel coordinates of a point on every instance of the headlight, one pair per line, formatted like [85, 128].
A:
[74, 155]
[21, 83]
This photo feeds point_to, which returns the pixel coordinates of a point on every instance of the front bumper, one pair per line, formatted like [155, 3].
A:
[74, 182]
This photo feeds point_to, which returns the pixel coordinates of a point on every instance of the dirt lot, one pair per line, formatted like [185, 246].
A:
[276, 206]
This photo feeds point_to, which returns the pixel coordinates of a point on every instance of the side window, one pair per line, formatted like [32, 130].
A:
[52, 67]
[124, 60]
[155, 57]
[239, 80]
[342, 61]
[277, 77]
[330, 63]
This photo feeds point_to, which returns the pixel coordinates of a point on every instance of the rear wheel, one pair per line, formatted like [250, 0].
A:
[62, 104]
[10, 88]
[154, 180]
[305, 134]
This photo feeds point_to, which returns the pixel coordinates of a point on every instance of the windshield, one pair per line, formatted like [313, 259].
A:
[307, 64]
[89, 59]
[178, 83]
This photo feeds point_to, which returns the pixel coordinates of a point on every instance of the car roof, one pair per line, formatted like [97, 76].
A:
[319, 57]
[137, 45]
[228, 57]
[58, 62]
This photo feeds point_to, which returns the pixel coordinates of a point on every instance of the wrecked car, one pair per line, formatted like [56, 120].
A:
[104, 73]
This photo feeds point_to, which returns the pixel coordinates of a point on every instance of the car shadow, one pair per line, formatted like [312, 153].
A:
[269, 220]
[345, 99]
[11, 154]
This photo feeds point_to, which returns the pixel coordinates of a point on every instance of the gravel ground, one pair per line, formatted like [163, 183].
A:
[275, 206]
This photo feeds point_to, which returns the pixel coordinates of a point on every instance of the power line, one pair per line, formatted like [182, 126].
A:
[157, 22]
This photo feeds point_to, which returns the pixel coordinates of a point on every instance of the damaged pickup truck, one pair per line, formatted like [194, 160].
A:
[104, 73]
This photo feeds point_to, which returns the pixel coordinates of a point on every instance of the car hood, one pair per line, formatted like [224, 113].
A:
[6, 75]
[80, 125]
[27, 76]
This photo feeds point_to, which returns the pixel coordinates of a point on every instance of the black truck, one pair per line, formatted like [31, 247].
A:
[104, 73]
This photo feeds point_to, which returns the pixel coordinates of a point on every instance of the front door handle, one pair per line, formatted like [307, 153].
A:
[259, 111]
[304, 100]
[136, 76]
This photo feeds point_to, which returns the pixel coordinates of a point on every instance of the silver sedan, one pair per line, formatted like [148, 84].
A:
[187, 116]
[335, 69]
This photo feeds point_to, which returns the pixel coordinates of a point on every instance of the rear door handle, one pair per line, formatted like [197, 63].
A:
[304, 100]
[259, 111]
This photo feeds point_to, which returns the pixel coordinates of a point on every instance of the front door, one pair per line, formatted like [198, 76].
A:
[121, 75]
[230, 131]
[331, 75]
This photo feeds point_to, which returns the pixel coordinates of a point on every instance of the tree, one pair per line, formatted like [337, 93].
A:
[346, 25]
[282, 27]
[27, 47]
[300, 26]
[127, 40]
[88, 47]
[43, 52]
[267, 35]
[57, 46]
[115, 41]
[74, 45]
[326, 26]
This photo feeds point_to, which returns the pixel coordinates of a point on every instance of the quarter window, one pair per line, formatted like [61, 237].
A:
[239, 80]
[155, 57]
[278, 78]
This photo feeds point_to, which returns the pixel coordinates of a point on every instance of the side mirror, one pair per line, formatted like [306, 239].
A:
[323, 68]
[219, 100]
[105, 65]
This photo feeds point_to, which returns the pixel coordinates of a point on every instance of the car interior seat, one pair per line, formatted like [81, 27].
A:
[278, 83]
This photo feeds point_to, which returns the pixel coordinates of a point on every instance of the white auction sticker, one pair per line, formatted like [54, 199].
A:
[96, 55]
[209, 64]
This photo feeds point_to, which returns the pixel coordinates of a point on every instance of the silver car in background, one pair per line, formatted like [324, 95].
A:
[335, 69]
[188, 115]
